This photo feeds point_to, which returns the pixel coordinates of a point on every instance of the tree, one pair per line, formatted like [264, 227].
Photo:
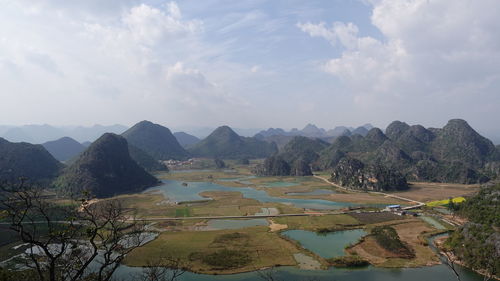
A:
[163, 269]
[85, 240]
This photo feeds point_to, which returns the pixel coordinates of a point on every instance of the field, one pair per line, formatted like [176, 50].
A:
[426, 192]
[263, 249]
[445, 202]
[411, 233]
[315, 223]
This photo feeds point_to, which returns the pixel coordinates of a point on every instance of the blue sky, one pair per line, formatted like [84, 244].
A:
[250, 64]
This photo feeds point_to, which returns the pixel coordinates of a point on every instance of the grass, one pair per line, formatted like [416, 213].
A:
[427, 192]
[445, 202]
[388, 238]
[183, 212]
[410, 232]
[263, 248]
[315, 223]
[371, 218]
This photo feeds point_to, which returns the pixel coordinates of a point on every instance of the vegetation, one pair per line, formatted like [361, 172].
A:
[219, 164]
[477, 242]
[64, 148]
[155, 140]
[28, 161]
[295, 158]
[145, 160]
[377, 161]
[186, 140]
[71, 238]
[354, 174]
[257, 244]
[348, 261]
[227, 259]
[388, 238]
[105, 169]
[455, 200]
[224, 143]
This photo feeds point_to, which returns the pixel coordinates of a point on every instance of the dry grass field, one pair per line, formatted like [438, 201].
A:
[264, 249]
[425, 192]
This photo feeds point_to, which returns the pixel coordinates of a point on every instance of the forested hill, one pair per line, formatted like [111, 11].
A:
[155, 140]
[105, 169]
[64, 149]
[26, 160]
[477, 243]
[224, 143]
[455, 153]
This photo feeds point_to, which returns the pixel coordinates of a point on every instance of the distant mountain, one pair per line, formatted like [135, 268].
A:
[224, 143]
[31, 161]
[339, 131]
[145, 160]
[105, 169]
[360, 131]
[298, 154]
[273, 132]
[64, 148]
[456, 153]
[86, 143]
[185, 139]
[279, 140]
[457, 141]
[45, 133]
[311, 130]
[155, 140]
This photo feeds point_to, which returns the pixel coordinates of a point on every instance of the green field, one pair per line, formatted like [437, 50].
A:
[263, 248]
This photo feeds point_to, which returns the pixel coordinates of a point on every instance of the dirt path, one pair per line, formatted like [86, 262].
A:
[419, 204]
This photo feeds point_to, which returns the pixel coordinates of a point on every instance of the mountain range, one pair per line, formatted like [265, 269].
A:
[226, 144]
[454, 153]
[43, 133]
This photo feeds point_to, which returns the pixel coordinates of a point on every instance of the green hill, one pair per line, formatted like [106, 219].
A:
[64, 148]
[30, 161]
[145, 160]
[155, 140]
[295, 158]
[185, 139]
[224, 143]
[105, 169]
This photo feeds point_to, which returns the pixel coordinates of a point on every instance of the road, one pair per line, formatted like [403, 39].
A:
[418, 204]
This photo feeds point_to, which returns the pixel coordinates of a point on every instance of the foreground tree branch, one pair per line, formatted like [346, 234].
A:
[78, 241]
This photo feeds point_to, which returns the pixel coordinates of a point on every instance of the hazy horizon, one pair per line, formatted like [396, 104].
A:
[250, 64]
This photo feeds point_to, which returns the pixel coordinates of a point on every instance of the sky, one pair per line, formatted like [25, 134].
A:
[250, 64]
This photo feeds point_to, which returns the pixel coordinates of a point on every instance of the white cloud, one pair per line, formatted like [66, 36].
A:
[149, 25]
[432, 51]
[345, 34]
[126, 63]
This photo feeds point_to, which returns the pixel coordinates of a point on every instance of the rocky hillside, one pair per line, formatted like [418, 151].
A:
[64, 148]
[384, 161]
[155, 140]
[30, 161]
[105, 169]
[224, 143]
[354, 174]
[297, 155]
[455, 153]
